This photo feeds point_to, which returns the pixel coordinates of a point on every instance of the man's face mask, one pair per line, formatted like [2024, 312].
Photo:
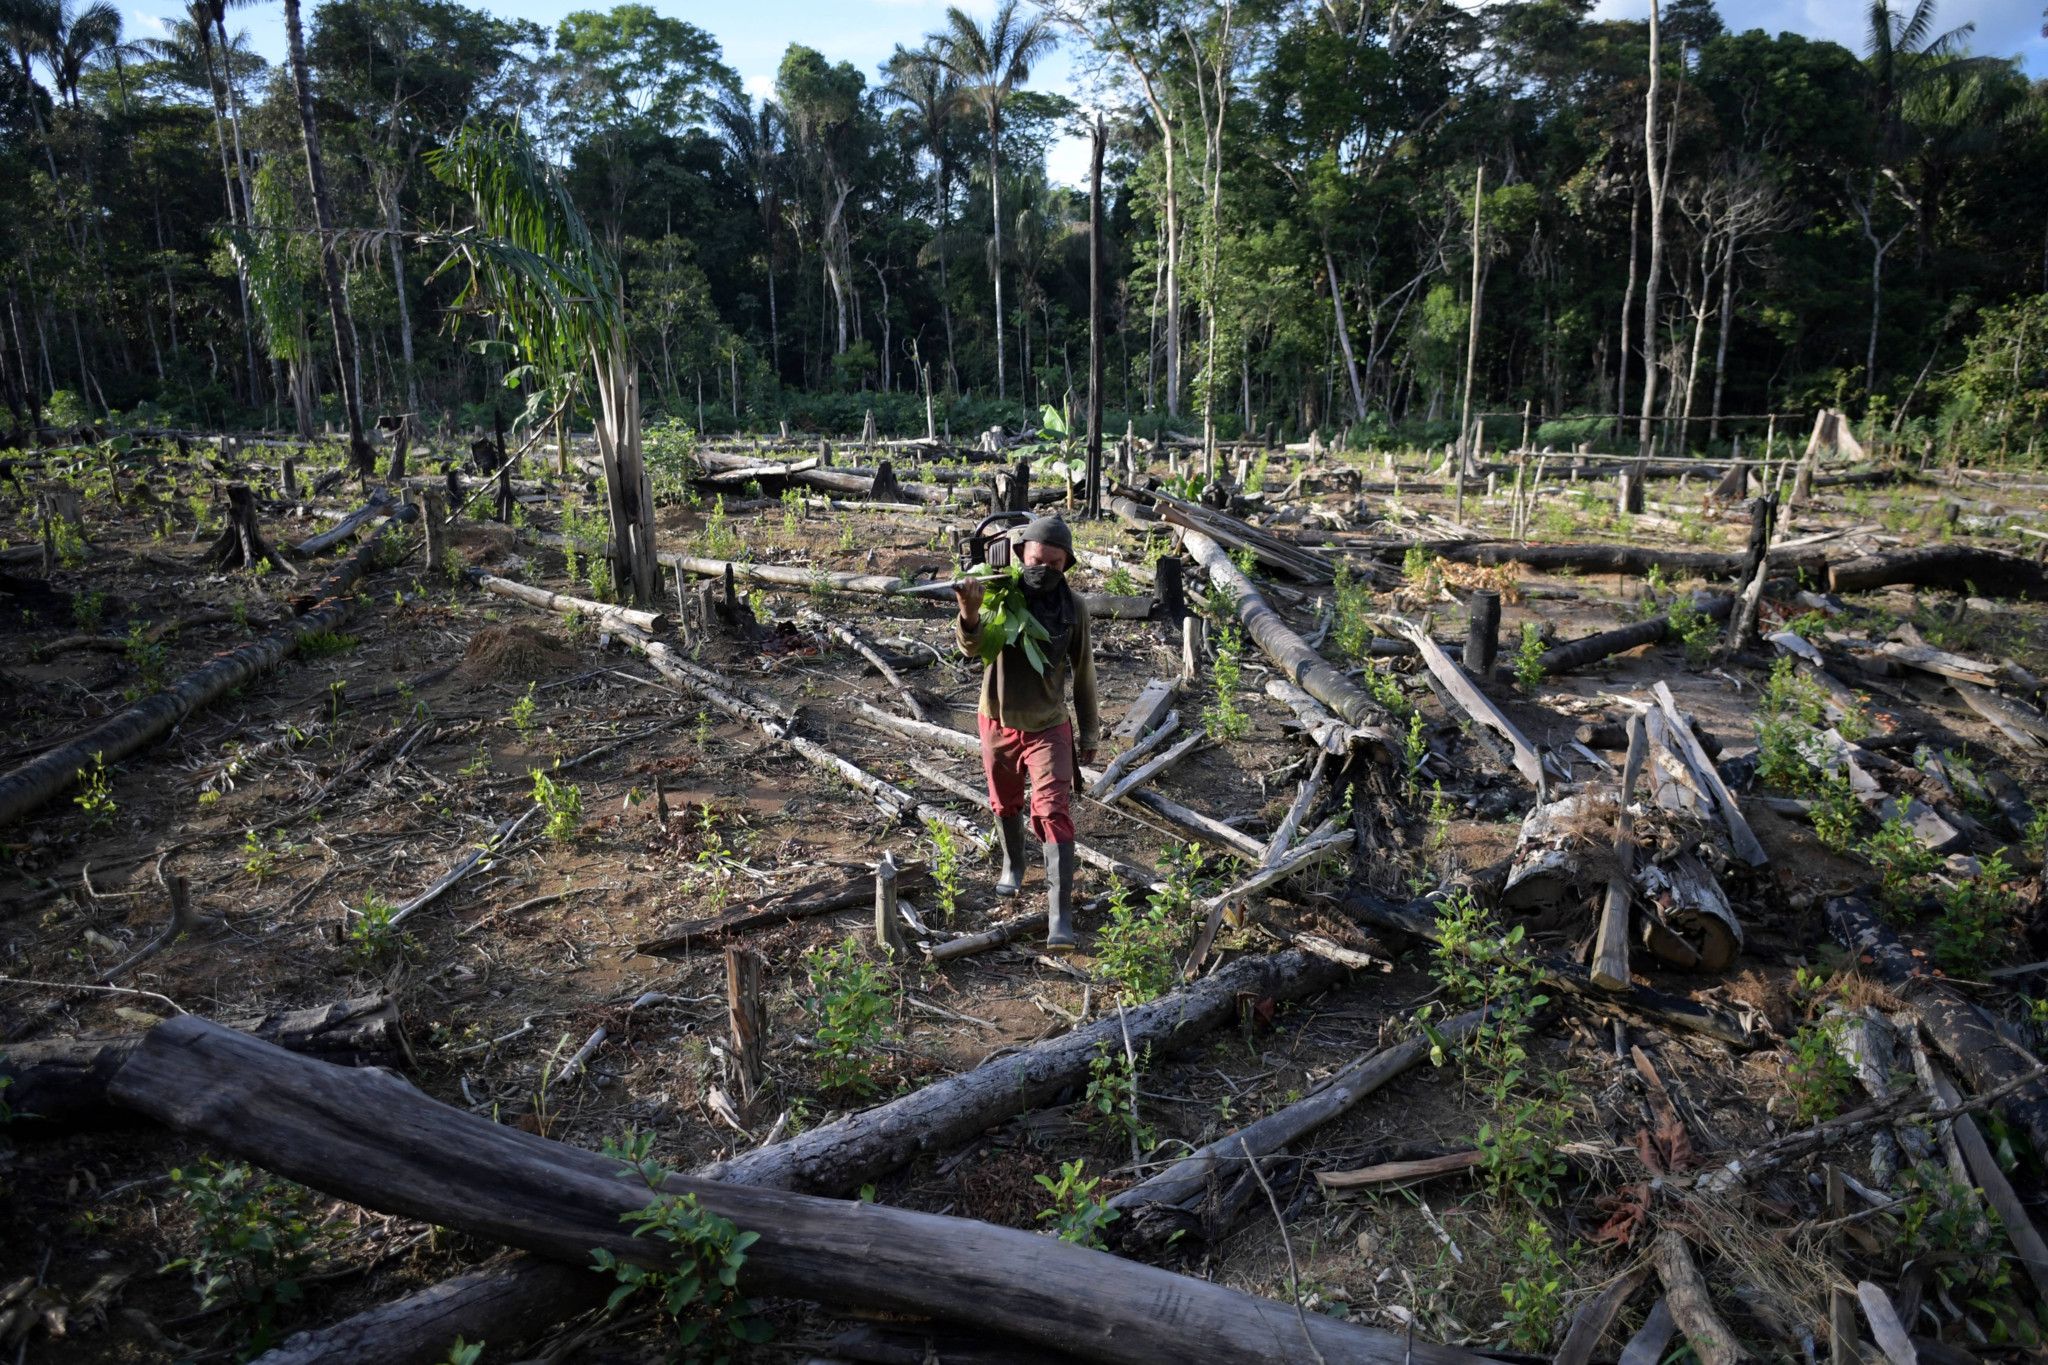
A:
[1040, 577]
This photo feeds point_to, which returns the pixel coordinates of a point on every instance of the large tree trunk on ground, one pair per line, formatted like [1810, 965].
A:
[1963, 1033]
[369, 1138]
[63, 1081]
[1576, 654]
[856, 1149]
[144, 722]
[1304, 666]
[1636, 560]
[1991, 573]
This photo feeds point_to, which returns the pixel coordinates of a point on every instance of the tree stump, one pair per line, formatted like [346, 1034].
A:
[883, 487]
[746, 1020]
[1482, 634]
[240, 544]
[434, 502]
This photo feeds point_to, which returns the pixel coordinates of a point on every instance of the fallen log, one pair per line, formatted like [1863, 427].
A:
[1591, 649]
[834, 1159]
[563, 604]
[1302, 665]
[332, 1128]
[1633, 560]
[1962, 1032]
[381, 504]
[1986, 572]
[813, 898]
[1156, 1208]
[142, 723]
[1677, 733]
[62, 1082]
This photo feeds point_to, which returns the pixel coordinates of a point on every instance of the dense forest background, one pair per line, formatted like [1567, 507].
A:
[1290, 193]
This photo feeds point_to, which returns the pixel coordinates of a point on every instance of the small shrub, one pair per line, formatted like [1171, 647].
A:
[1518, 1152]
[1976, 919]
[1902, 862]
[1225, 717]
[257, 1239]
[1135, 948]
[945, 866]
[1352, 628]
[849, 1009]
[1820, 1079]
[1695, 630]
[320, 644]
[1528, 665]
[562, 802]
[95, 795]
[89, 610]
[371, 937]
[697, 1290]
[1076, 1214]
[1534, 1298]
[1419, 568]
[522, 713]
[1119, 583]
[1111, 1099]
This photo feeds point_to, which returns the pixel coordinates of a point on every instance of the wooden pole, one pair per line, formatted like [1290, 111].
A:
[434, 503]
[1610, 952]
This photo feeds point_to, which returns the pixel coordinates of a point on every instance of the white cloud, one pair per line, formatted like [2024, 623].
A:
[148, 21]
[761, 87]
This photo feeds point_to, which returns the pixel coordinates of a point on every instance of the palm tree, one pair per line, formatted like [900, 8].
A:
[1902, 52]
[931, 96]
[558, 296]
[991, 63]
[754, 137]
[75, 38]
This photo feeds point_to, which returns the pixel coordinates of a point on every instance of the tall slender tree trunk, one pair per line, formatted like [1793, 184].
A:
[412, 382]
[1657, 174]
[995, 264]
[360, 454]
[1344, 332]
[945, 189]
[1721, 341]
[1465, 442]
[1628, 307]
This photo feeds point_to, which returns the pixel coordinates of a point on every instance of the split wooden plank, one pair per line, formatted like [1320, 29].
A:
[1118, 765]
[1610, 954]
[1990, 1177]
[1151, 769]
[1885, 1328]
[1149, 710]
[1304, 800]
[1590, 1323]
[1476, 704]
[1743, 838]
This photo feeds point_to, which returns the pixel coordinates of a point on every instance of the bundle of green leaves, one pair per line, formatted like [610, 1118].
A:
[1005, 619]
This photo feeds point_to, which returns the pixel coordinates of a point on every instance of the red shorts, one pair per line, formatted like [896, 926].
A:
[1047, 757]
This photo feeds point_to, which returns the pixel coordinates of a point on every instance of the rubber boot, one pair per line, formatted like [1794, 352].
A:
[1059, 897]
[1010, 834]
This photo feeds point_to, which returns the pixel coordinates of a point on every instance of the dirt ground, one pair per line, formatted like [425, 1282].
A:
[358, 772]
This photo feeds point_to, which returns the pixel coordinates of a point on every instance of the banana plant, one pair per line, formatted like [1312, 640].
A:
[1057, 449]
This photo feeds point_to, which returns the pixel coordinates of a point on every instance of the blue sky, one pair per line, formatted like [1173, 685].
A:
[864, 32]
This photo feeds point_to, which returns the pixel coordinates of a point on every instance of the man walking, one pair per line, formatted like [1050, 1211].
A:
[1026, 734]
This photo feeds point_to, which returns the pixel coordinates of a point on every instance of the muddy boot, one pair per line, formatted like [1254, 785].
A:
[1010, 834]
[1059, 897]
